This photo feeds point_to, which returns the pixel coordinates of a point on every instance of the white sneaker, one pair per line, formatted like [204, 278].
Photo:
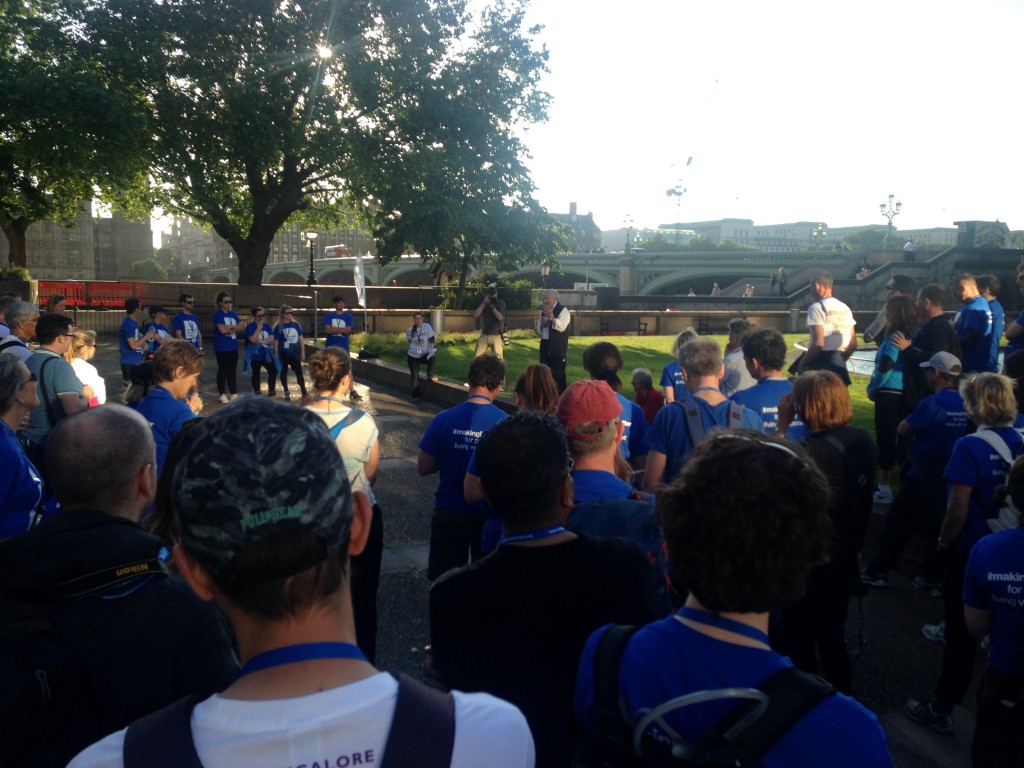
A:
[223, 398]
[935, 632]
[883, 496]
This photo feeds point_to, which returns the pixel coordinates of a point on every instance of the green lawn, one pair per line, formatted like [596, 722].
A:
[455, 352]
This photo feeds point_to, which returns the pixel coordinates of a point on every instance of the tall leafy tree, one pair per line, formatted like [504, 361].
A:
[64, 134]
[265, 110]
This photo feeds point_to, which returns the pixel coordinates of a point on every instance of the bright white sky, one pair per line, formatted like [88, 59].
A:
[792, 110]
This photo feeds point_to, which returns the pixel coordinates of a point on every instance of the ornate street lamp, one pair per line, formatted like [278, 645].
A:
[890, 213]
[819, 234]
[545, 270]
[311, 236]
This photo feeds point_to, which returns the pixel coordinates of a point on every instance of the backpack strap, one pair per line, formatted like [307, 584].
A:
[791, 695]
[42, 393]
[163, 739]
[422, 729]
[859, 478]
[693, 423]
[351, 418]
[736, 415]
[608, 717]
[996, 442]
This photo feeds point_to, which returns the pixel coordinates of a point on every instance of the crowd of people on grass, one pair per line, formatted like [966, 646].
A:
[609, 577]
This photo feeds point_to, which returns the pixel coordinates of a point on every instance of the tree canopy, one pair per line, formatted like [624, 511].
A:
[64, 133]
[403, 110]
[148, 269]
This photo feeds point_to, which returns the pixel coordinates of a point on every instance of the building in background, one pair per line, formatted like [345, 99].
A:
[586, 235]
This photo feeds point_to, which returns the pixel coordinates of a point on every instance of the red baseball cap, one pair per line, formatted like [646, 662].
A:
[585, 402]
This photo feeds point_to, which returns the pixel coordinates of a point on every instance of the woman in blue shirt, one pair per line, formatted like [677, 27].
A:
[291, 348]
[976, 468]
[672, 375]
[259, 351]
[21, 488]
[886, 391]
[226, 325]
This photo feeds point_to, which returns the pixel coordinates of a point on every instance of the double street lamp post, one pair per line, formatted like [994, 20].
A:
[311, 278]
[819, 234]
[890, 213]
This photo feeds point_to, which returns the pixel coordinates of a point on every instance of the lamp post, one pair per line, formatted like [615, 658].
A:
[890, 213]
[545, 270]
[311, 277]
[677, 192]
[819, 234]
[628, 221]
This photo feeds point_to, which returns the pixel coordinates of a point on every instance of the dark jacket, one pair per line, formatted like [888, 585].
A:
[142, 644]
[936, 335]
[558, 341]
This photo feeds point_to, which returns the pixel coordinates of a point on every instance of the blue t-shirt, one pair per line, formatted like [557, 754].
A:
[225, 342]
[130, 330]
[596, 485]
[634, 433]
[893, 378]
[975, 463]
[188, 325]
[338, 320]
[938, 421]
[672, 376]
[21, 488]
[994, 581]
[669, 434]
[1018, 343]
[451, 438]
[763, 399]
[58, 379]
[668, 659]
[287, 335]
[266, 332]
[977, 316]
[998, 321]
[165, 414]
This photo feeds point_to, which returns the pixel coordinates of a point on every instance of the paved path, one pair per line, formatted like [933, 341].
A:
[892, 661]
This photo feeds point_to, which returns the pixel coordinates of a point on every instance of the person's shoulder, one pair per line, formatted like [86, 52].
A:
[844, 729]
[106, 753]
[490, 732]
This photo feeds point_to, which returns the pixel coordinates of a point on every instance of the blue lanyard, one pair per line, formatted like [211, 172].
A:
[543, 533]
[729, 625]
[290, 654]
[480, 397]
[707, 389]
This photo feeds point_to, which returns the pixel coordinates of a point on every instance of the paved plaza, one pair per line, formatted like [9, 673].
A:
[891, 659]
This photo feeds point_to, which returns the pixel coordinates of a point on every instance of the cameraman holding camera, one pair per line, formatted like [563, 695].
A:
[492, 309]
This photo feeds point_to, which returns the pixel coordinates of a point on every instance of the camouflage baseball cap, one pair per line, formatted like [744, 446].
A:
[257, 468]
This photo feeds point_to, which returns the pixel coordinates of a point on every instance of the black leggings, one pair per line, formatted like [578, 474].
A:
[889, 412]
[296, 365]
[271, 376]
[365, 584]
[414, 369]
[227, 362]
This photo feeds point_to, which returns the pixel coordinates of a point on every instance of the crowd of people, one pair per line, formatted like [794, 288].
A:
[606, 573]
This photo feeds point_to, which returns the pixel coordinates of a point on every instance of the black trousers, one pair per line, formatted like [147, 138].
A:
[919, 506]
[296, 365]
[555, 360]
[365, 585]
[414, 368]
[227, 364]
[813, 628]
[454, 539]
[960, 646]
[271, 376]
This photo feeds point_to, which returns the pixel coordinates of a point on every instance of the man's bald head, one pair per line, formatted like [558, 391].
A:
[93, 459]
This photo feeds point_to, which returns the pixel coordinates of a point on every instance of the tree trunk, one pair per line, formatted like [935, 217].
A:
[253, 253]
[15, 230]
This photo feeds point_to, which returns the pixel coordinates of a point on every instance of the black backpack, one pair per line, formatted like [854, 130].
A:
[761, 718]
[46, 697]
